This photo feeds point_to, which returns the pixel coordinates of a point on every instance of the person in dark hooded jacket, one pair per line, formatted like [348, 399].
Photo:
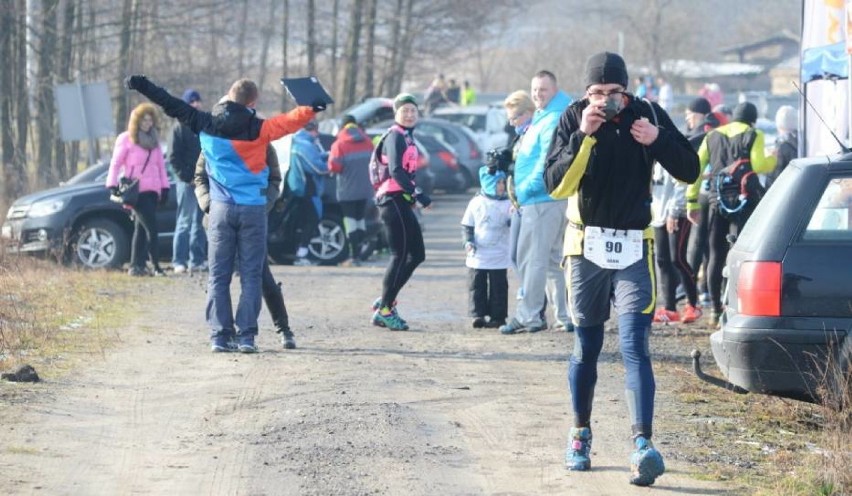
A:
[234, 143]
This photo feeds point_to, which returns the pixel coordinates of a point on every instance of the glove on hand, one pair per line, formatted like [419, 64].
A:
[164, 196]
[113, 190]
[137, 82]
[318, 105]
[423, 199]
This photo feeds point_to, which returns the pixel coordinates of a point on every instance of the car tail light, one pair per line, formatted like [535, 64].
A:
[422, 161]
[449, 159]
[759, 288]
[474, 149]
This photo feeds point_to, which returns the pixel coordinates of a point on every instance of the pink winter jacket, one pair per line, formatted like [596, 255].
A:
[128, 159]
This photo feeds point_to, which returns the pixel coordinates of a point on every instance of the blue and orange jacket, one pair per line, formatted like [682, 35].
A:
[233, 142]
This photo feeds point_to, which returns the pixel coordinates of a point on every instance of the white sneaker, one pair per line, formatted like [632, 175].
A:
[303, 261]
[179, 269]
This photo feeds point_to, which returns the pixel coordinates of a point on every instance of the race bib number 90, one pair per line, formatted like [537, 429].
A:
[611, 248]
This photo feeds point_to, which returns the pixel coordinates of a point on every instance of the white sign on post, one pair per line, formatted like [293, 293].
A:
[85, 111]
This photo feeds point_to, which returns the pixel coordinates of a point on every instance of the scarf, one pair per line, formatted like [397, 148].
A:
[148, 140]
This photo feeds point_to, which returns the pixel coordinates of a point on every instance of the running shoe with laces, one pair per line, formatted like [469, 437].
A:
[690, 314]
[388, 318]
[245, 344]
[646, 463]
[288, 341]
[223, 344]
[513, 327]
[578, 453]
[663, 316]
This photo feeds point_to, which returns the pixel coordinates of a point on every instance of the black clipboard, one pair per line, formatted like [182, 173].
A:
[306, 90]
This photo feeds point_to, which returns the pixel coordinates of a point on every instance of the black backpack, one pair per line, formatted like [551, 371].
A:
[738, 188]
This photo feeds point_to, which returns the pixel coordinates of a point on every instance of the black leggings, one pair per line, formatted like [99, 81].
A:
[406, 246]
[145, 233]
[718, 229]
[670, 254]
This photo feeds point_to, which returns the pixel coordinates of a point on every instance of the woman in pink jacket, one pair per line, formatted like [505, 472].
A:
[137, 154]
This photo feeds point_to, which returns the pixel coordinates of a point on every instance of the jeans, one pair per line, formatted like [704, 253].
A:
[189, 246]
[235, 231]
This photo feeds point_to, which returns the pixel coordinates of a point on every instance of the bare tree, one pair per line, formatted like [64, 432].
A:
[7, 30]
[370, 55]
[241, 38]
[286, 60]
[266, 36]
[18, 182]
[44, 92]
[353, 41]
[312, 37]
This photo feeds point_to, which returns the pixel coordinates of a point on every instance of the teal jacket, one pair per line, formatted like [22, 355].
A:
[534, 145]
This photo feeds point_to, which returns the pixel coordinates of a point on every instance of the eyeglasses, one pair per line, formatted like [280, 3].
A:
[605, 94]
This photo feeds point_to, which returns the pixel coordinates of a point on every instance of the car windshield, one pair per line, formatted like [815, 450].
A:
[473, 121]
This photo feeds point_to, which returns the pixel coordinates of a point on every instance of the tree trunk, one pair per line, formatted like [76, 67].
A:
[18, 183]
[121, 111]
[353, 39]
[369, 66]
[407, 40]
[285, 101]
[391, 80]
[7, 28]
[267, 32]
[312, 37]
[44, 91]
[241, 40]
[335, 27]
[63, 75]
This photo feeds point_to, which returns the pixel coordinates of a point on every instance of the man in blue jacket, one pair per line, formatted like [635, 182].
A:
[542, 219]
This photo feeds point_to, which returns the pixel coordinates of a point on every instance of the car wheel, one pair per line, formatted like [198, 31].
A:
[99, 244]
[328, 247]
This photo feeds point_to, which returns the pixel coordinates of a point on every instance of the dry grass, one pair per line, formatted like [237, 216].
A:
[51, 317]
[764, 445]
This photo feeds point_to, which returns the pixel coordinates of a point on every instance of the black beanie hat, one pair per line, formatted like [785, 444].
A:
[745, 112]
[700, 106]
[606, 68]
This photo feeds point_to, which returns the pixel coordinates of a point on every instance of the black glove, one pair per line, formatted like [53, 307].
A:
[423, 199]
[137, 82]
[318, 105]
[164, 196]
[113, 190]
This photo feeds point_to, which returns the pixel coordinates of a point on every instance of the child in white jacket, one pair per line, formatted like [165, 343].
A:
[485, 233]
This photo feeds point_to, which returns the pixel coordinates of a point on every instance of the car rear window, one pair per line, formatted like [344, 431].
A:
[832, 218]
[761, 222]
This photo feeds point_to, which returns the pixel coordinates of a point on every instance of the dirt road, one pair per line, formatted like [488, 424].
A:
[440, 410]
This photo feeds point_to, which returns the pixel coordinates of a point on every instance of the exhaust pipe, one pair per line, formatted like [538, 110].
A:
[696, 367]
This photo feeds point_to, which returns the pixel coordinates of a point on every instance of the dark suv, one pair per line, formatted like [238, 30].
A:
[78, 224]
[788, 317]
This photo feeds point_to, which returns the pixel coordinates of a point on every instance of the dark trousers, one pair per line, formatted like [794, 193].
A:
[670, 255]
[273, 296]
[698, 250]
[719, 228]
[145, 243]
[307, 220]
[354, 212]
[488, 291]
[406, 246]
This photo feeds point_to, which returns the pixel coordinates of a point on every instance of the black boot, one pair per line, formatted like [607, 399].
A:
[278, 311]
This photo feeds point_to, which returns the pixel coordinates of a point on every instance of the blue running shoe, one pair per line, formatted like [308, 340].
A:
[389, 320]
[578, 454]
[222, 344]
[646, 463]
[245, 344]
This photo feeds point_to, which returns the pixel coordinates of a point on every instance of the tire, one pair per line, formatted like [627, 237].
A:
[329, 247]
[99, 244]
[466, 180]
[839, 387]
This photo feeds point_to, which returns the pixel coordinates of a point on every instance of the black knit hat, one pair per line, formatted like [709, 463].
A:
[700, 106]
[606, 68]
[745, 112]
